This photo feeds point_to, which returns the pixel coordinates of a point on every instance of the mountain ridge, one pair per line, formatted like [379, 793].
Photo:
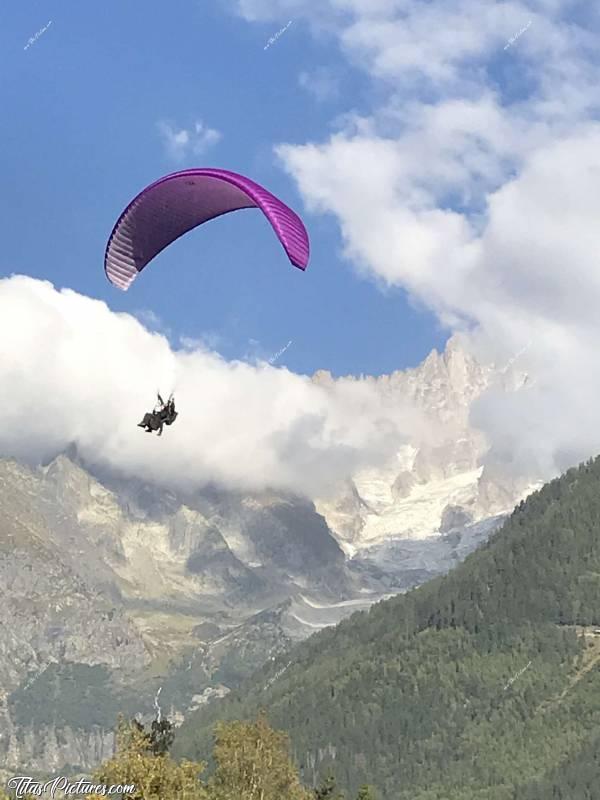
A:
[204, 587]
[472, 685]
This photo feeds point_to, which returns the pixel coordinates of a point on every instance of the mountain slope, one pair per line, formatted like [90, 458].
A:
[470, 686]
[108, 595]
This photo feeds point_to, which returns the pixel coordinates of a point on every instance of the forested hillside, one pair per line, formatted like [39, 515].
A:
[482, 684]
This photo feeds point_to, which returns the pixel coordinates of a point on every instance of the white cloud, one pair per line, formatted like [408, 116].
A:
[74, 371]
[473, 183]
[152, 321]
[208, 340]
[322, 83]
[181, 144]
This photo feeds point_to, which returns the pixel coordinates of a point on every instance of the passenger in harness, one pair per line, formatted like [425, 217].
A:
[163, 414]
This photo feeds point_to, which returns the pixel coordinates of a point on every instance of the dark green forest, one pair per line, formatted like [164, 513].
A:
[483, 684]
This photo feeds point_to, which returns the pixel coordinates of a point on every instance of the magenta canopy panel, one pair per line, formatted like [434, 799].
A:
[177, 203]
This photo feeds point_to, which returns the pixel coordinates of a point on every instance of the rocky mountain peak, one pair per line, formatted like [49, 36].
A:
[407, 498]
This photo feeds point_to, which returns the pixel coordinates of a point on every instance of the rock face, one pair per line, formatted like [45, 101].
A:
[107, 594]
[112, 589]
[52, 612]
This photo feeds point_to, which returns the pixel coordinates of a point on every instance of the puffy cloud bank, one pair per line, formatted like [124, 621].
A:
[473, 183]
[73, 371]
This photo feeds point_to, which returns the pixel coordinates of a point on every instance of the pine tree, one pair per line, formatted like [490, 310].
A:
[365, 793]
[328, 789]
[161, 737]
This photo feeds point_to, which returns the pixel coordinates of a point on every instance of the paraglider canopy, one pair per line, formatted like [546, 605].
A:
[177, 203]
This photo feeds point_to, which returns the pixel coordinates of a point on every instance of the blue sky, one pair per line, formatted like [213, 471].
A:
[421, 148]
[81, 109]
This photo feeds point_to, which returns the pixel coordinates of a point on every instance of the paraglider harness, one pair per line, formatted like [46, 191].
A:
[163, 414]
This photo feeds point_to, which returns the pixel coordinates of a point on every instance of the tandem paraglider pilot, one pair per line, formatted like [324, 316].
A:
[163, 414]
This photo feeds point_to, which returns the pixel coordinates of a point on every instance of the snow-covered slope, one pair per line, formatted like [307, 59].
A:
[443, 472]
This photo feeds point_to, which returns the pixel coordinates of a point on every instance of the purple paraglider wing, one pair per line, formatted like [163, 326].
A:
[176, 203]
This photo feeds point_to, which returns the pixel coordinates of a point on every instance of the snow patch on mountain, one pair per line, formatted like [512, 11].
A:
[444, 472]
